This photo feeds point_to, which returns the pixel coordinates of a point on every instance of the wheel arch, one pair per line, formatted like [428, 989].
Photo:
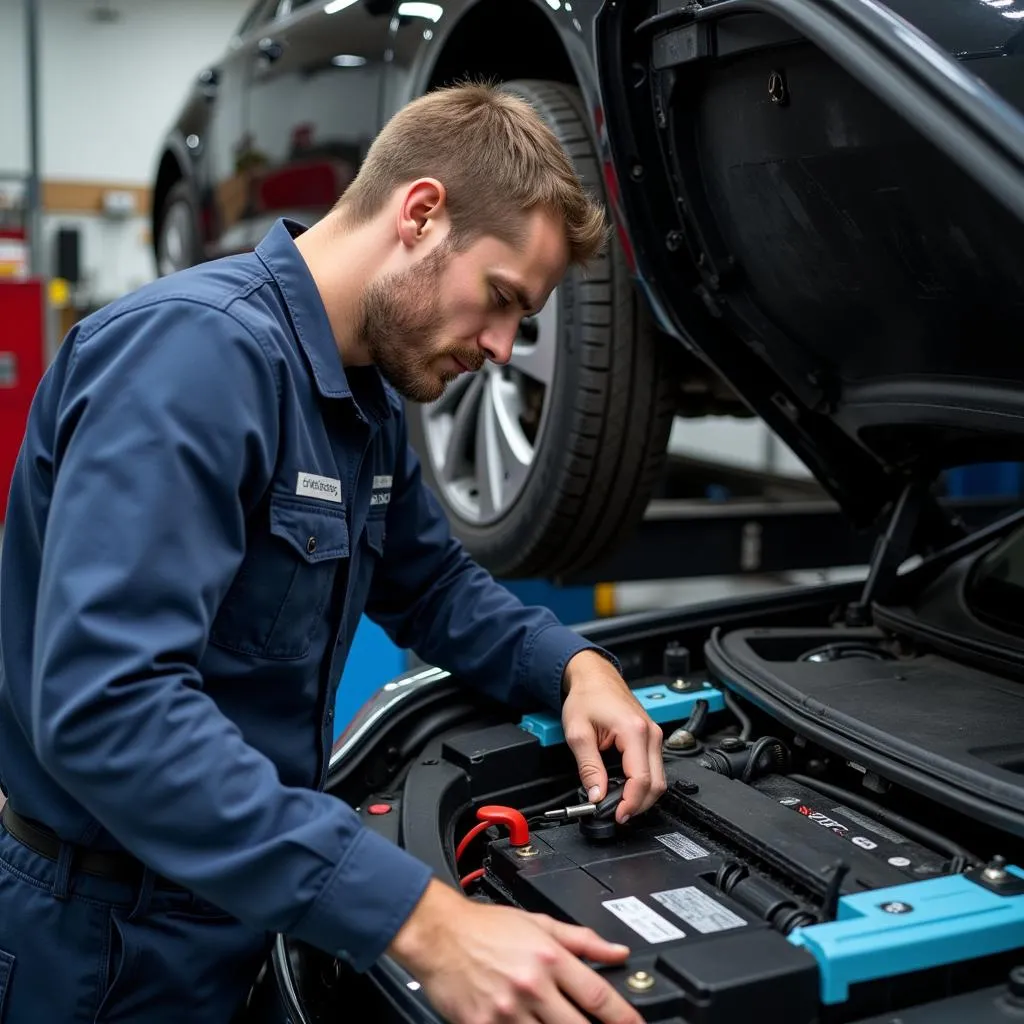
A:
[528, 45]
[531, 46]
[169, 172]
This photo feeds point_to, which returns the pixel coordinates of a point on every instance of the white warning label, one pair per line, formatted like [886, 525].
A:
[686, 848]
[698, 909]
[644, 921]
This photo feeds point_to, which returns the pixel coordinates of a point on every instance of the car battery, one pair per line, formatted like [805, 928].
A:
[712, 959]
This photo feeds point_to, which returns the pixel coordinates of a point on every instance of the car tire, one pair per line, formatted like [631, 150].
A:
[545, 465]
[177, 238]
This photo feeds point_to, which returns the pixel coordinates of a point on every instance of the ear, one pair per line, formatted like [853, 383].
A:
[422, 215]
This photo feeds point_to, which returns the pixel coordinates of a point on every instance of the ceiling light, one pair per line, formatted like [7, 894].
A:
[348, 60]
[415, 9]
[338, 5]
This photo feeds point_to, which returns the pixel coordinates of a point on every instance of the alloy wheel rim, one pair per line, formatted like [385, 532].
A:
[483, 435]
[175, 233]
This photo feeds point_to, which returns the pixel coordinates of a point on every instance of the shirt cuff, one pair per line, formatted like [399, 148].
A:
[545, 660]
[365, 901]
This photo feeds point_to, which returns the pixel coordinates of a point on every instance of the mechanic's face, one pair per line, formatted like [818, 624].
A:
[452, 311]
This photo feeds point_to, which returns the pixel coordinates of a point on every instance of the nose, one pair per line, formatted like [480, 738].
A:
[497, 342]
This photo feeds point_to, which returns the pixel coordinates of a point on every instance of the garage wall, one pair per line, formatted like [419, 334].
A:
[108, 90]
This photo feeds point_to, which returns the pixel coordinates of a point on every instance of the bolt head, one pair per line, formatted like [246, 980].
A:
[994, 875]
[897, 907]
[640, 981]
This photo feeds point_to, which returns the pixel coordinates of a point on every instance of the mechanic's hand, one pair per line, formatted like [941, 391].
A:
[481, 964]
[600, 710]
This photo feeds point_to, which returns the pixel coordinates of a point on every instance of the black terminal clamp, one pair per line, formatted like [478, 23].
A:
[597, 821]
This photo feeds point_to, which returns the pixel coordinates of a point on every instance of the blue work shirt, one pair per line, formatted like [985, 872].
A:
[204, 505]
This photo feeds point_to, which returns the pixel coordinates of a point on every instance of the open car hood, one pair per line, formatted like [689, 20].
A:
[825, 200]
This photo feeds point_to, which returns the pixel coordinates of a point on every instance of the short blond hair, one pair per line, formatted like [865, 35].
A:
[497, 160]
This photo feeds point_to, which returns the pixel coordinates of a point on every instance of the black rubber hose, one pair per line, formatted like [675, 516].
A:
[745, 724]
[757, 751]
[912, 829]
[697, 718]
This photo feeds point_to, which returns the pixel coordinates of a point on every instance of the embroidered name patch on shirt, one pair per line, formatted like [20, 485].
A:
[381, 490]
[323, 487]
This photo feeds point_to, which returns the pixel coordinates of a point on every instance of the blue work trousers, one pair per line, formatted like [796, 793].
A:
[80, 949]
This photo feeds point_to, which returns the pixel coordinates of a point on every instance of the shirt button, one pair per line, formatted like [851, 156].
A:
[311, 545]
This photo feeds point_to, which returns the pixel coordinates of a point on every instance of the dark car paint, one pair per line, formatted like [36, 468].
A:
[405, 56]
[965, 99]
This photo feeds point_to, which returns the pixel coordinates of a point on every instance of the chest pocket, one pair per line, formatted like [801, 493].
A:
[280, 594]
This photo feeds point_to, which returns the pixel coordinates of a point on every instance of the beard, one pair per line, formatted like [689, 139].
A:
[401, 323]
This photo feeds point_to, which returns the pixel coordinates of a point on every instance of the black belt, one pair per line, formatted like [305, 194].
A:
[117, 867]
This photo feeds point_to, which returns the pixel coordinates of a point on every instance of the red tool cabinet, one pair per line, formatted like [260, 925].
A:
[22, 344]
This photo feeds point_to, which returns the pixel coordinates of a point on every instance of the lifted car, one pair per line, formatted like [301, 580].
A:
[825, 200]
[545, 465]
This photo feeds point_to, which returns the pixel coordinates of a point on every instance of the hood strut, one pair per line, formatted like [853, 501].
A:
[917, 521]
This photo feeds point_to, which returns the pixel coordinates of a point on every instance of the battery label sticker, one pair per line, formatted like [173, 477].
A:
[644, 921]
[698, 909]
[686, 848]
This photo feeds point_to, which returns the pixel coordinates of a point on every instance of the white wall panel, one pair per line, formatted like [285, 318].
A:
[107, 90]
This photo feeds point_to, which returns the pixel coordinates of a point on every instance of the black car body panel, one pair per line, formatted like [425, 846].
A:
[268, 137]
[825, 199]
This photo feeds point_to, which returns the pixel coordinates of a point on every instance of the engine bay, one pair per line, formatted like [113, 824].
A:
[772, 878]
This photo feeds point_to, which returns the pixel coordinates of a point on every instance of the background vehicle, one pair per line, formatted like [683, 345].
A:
[841, 837]
[279, 127]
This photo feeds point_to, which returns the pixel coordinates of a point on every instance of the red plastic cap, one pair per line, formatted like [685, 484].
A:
[518, 829]
[379, 808]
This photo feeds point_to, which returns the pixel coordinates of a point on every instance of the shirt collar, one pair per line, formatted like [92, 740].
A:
[309, 320]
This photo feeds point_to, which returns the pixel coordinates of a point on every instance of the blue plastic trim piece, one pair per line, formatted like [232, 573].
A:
[660, 702]
[928, 924]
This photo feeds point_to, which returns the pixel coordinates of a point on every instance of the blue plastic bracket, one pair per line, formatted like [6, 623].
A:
[888, 932]
[662, 703]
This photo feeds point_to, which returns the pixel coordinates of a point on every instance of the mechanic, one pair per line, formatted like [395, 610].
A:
[215, 484]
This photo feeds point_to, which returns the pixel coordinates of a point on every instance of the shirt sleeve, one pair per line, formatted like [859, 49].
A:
[167, 431]
[431, 597]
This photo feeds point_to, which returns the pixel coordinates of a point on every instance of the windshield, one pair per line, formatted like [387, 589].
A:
[995, 588]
